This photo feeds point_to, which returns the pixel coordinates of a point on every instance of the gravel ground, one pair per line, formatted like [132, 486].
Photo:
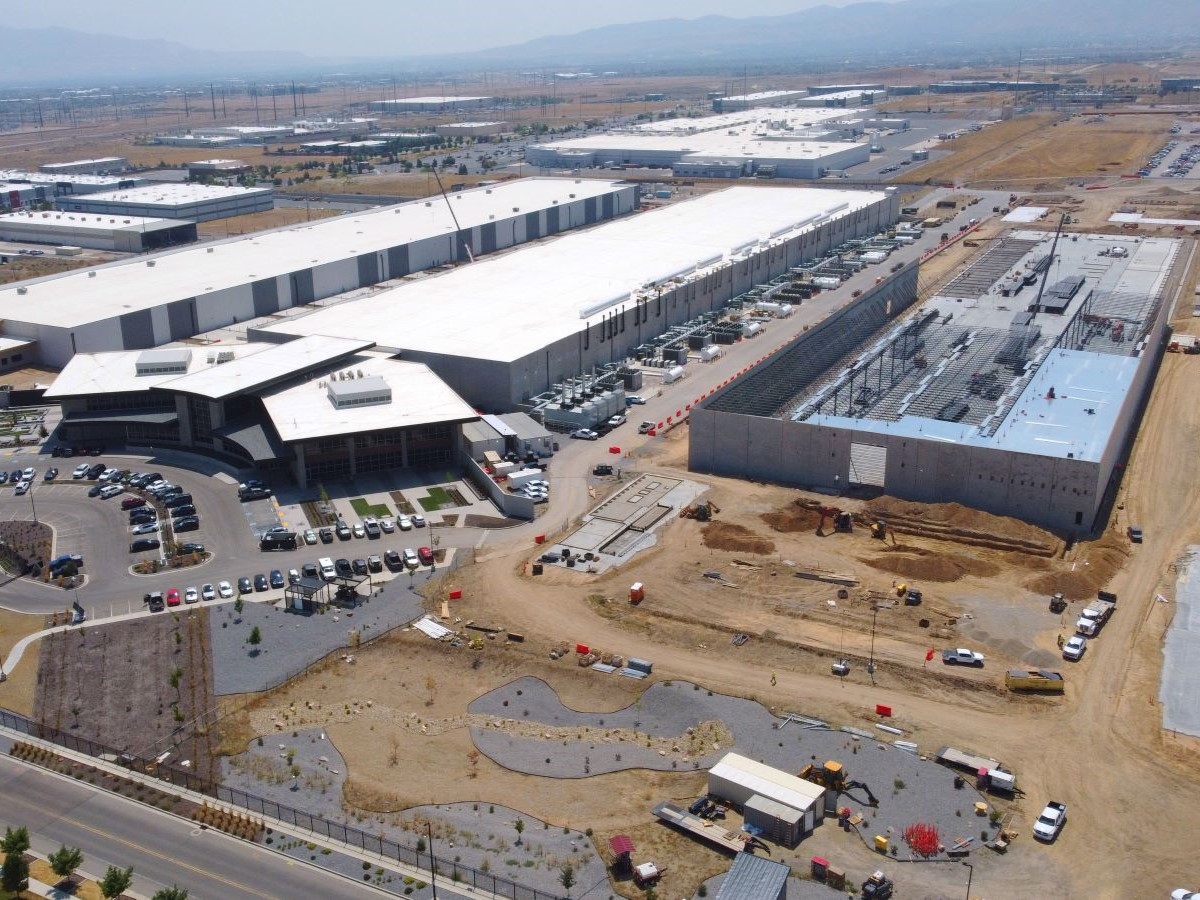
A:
[471, 834]
[908, 788]
[291, 641]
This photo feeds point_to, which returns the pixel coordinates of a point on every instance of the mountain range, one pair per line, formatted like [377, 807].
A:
[905, 32]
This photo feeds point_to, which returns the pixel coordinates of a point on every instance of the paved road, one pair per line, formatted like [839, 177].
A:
[163, 850]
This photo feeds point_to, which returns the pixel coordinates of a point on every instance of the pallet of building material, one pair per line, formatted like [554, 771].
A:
[632, 673]
[828, 577]
[490, 629]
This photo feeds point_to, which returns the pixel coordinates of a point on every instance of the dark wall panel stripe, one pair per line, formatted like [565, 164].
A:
[137, 330]
[266, 296]
[368, 269]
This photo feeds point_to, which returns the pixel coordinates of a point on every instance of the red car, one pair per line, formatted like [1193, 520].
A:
[173, 597]
[425, 555]
[132, 502]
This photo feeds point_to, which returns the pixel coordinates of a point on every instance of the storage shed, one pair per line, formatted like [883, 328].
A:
[775, 821]
[736, 779]
[754, 878]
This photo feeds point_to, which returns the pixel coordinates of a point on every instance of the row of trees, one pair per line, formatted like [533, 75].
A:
[14, 873]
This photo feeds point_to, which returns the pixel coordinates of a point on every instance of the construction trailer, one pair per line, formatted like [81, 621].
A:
[737, 779]
[774, 821]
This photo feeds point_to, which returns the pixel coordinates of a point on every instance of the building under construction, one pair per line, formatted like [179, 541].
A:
[1016, 390]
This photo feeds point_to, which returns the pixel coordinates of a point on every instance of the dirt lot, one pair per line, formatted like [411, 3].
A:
[86, 683]
[23, 267]
[275, 218]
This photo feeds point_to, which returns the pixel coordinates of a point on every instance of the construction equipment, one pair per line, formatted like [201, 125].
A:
[842, 521]
[701, 512]
[1058, 603]
[834, 777]
[879, 530]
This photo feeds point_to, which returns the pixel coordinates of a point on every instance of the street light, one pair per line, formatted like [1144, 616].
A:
[970, 875]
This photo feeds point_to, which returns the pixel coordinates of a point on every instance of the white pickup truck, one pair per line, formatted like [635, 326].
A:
[1050, 822]
[962, 657]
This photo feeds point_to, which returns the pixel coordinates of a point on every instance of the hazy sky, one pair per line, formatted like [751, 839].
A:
[368, 27]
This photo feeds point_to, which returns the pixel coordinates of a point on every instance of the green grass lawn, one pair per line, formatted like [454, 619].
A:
[438, 499]
[363, 508]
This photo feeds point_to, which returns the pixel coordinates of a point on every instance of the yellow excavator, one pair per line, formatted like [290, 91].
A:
[834, 777]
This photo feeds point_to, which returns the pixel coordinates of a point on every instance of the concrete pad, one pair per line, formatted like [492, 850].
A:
[1181, 653]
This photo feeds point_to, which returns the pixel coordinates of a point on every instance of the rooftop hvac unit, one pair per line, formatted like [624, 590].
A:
[91, 274]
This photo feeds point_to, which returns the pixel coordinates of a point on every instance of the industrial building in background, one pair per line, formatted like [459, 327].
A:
[197, 202]
[121, 234]
[1017, 390]
[782, 143]
[143, 303]
[431, 104]
[519, 325]
[105, 165]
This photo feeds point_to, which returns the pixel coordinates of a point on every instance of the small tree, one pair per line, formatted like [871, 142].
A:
[255, 639]
[239, 604]
[65, 860]
[519, 825]
[174, 892]
[175, 678]
[431, 688]
[566, 877]
[16, 840]
[76, 709]
[14, 873]
[473, 759]
[116, 882]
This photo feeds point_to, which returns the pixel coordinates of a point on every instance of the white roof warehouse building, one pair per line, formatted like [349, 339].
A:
[143, 303]
[507, 328]
[197, 202]
[127, 234]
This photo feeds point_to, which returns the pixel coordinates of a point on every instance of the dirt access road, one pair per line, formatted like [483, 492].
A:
[1101, 750]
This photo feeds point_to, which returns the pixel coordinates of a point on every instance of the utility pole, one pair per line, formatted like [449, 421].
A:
[212, 95]
[433, 861]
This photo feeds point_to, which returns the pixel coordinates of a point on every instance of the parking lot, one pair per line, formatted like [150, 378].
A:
[97, 529]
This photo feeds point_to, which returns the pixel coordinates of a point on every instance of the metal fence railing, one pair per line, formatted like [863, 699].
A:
[337, 831]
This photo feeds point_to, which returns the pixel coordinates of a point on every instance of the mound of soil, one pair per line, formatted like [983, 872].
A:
[791, 519]
[962, 518]
[1095, 563]
[727, 536]
[932, 566]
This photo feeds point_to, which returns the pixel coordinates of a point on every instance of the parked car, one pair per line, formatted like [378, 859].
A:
[371, 527]
[585, 434]
[962, 657]
[173, 597]
[144, 528]
[343, 531]
[310, 537]
[358, 531]
[155, 602]
[425, 555]
[646, 427]
[187, 523]
[191, 595]
[1135, 534]
[244, 585]
[94, 490]
[260, 582]
[359, 566]
[21, 489]
[276, 578]
[410, 558]
[293, 576]
[190, 547]
[392, 560]
[343, 567]
[29, 474]
[4, 476]
[1051, 821]
[141, 545]
[326, 536]
[184, 511]
[51, 474]
[132, 502]
[387, 525]
[417, 520]
[310, 570]
[224, 590]
[110, 490]
[617, 421]
[634, 400]
[404, 523]
[602, 469]
[374, 563]
[1075, 647]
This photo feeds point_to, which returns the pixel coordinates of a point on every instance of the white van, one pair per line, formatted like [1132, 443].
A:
[328, 572]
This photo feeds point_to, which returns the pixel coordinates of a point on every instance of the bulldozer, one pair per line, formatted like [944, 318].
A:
[833, 776]
[842, 521]
[701, 512]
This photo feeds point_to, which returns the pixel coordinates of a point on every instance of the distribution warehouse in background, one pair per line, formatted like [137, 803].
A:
[785, 143]
[1016, 390]
[143, 303]
[197, 202]
[125, 234]
[431, 104]
[509, 328]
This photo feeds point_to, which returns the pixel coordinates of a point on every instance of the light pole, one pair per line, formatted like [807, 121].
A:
[32, 505]
[970, 875]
